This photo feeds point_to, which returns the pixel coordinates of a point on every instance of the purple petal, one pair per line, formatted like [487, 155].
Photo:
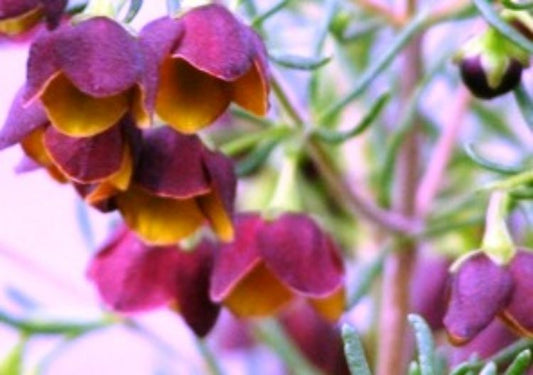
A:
[14, 8]
[221, 172]
[132, 276]
[87, 159]
[171, 164]
[235, 260]
[162, 36]
[480, 289]
[42, 64]
[216, 42]
[519, 310]
[301, 254]
[21, 121]
[53, 10]
[192, 288]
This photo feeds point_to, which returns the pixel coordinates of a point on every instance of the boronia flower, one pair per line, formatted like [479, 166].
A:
[178, 184]
[272, 262]
[17, 16]
[132, 276]
[207, 59]
[104, 160]
[89, 75]
[481, 290]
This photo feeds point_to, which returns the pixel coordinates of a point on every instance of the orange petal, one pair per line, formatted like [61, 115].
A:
[332, 306]
[56, 174]
[189, 99]
[33, 146]
[259, 293]
[139, 111]
[157, 220]
[77, 114]
[250, 92]
[213, 208]
[17, 25]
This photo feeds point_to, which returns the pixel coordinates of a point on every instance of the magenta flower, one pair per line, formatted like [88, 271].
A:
[89, 76]
[104, 160]
[482, 290]
[207, 59]
[283, 259]
[17, 16]
[132, 276]
[177, 186]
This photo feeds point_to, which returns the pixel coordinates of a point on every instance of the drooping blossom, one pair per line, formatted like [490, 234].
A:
[132, 276]
[90, 75]
[17, 16]
[482, 290]
[177, 186]
[207, 58]
[273, 262]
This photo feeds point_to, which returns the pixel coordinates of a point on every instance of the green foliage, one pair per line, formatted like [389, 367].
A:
[353, 349]
[425, 345]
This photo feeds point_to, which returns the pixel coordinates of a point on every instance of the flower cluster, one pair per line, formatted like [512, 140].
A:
[86, 114]
[17, 16]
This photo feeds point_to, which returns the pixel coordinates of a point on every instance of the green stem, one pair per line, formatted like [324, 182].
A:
[210, 360]
[248, 141]
[497, 242]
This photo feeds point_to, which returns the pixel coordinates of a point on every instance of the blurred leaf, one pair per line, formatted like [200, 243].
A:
[461, 369]
[334, 137]
[517, 5]
[258, 20]
[354, 352]
[256, 159]
[173, 7]
[489, 369]
[520, 364]
[133, 10]
[490, 165]
[424, 341]
[84, 224]
[494, 119]
[485, 7]
[299, 62]
[414, 368]
[21, 298]
[12, 364]
[525, 103]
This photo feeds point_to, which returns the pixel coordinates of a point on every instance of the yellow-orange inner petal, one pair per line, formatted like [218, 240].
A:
[33, 146]
[332, 306]
[188, 99]
[212, 206]
[21, 23]
[158, 220]
[77, 114]
[249, 91]
[139, 110]
[259, 293]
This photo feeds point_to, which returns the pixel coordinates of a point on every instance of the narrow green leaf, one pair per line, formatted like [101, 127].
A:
[520, 364]
[424, 341]
[517, 5]
[385, 59]
[525, 103]
[523, 193]
[490, 165]
[414, 368]
[12, 364]
[336, 137]
[461, 369]
[133, 10]
[354, 352]
[84, 224]
[299, 62]
[486, 9]
[258, 20]
[489, 369]
[330, 10]
[256, 159]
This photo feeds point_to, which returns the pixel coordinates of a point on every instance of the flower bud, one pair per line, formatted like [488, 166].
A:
[491, 65]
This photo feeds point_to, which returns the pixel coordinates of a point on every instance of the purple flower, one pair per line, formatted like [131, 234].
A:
[283, 259]
[17, 16]
[132, 276]
[481, 290]
[89, 76]
[207, 59]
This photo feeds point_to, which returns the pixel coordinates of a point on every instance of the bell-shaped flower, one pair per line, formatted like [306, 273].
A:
[17, 16]
[272, 262]
[178, 184]
[207, 58]
[132, 276]
[104, 161]
[90, 75]
[481, 290]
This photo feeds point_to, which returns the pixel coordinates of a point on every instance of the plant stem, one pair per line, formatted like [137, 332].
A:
[398, 266]
[380, 10]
